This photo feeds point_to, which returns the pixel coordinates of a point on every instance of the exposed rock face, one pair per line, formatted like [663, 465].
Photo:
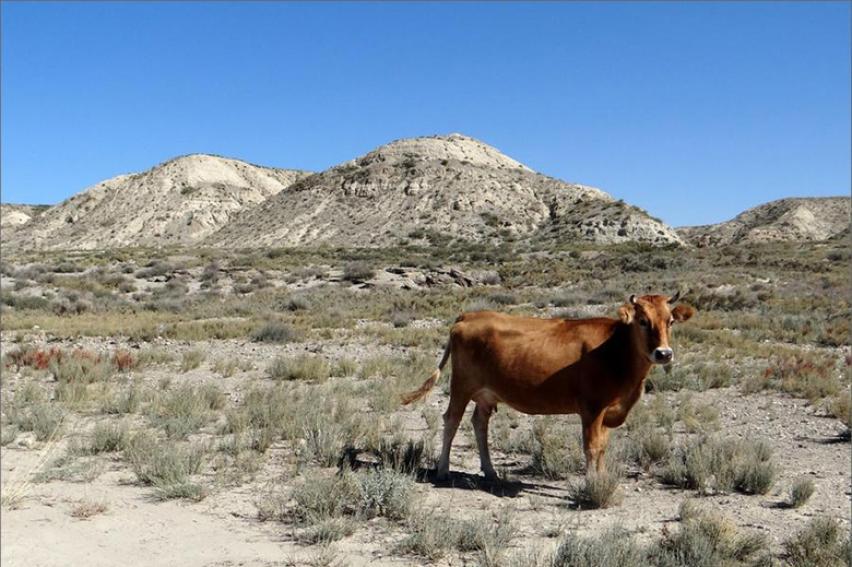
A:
[450, 185]
[178, 202]
[795, 219]
[14, 216]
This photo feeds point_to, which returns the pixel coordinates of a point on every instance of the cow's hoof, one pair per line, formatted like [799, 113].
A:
[490, 476]
[442, 476]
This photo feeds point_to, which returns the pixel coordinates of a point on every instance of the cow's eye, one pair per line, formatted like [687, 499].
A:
[644, 322]
[670, 322]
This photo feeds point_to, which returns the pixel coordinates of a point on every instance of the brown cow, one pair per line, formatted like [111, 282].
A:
[592, 367]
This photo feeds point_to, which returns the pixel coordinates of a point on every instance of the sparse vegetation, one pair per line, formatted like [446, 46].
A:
[596, 490]
[801, 491]
[302, 367]
[821, 543]
[274, 332]
[167, 466]
[192, 359]
[226, 407]
[712, 464]
[708, 539]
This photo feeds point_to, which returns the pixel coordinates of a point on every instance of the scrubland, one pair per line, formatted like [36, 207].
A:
[209, 407]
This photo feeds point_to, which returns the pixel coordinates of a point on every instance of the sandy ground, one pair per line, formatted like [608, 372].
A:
[223, 529]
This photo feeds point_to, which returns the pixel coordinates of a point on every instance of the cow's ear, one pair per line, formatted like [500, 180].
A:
[625, 313]
[682, 313]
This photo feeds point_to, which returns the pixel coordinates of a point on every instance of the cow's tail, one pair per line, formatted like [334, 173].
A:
[430, 382]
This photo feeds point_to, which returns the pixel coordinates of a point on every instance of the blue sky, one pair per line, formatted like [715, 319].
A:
[693, 111]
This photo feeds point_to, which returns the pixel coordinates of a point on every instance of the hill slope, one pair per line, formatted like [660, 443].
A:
[13, 216]
[177, 202]
[451, 185]
[807, 219]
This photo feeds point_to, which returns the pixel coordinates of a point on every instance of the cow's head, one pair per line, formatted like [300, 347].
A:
[651, 318]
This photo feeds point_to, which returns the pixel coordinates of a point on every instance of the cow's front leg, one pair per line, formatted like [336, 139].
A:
[480, 418]
[595, 439]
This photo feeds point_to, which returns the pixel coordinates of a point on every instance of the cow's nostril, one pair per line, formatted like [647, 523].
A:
[663, 354]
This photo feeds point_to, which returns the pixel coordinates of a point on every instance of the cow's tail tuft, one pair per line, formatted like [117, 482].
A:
[430, 382]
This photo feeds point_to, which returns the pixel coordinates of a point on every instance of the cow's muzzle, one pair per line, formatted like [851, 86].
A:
[662, 355]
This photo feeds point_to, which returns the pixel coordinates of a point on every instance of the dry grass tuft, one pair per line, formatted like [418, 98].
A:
[85, 509]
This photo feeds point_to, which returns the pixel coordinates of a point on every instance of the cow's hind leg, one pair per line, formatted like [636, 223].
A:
[480, 418]
[452, 419]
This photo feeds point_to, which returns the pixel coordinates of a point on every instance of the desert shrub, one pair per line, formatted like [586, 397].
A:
[401, 455]
[556, 451]
[154, 356]
[124, 360]
[386, 493]
[210, 274]
[167, 466]
[840, 406]
[326, 497]
[820, 543]
[322, 423]
[126, 400]
[80, 367]
[479, 305]
[801, 491]
[429, 535]
[373, 493]
[296, 303]
[192, 359]
[274, 332]
[44, 419]
[734, 300]
[185, 409]
[225, 367]
[596, 489]
[696, 417]
[804, 375]
[615, 547]
[358, 271]
[710, 464]
[25, 302]
[154, 269]
[108, 438]
[345, 367]
[8, 433]
[328, 530]
[432, 536]
[400, 319]
[708, 540]
[67, 268]
[302, 367]
[647, 445]
[699, 377]
[32, 357]
[324, 437]
[503, 298]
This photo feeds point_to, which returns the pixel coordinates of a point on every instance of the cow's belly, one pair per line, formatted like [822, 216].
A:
[533, 402]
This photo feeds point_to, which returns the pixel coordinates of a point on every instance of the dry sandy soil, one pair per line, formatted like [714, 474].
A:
[223, 529]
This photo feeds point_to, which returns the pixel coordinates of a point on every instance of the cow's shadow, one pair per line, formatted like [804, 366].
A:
[501, 487]
[497, 487]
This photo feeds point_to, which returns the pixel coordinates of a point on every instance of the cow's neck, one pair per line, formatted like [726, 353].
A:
[634, 363]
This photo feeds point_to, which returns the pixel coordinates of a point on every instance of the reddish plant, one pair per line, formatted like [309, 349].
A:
[123, 360]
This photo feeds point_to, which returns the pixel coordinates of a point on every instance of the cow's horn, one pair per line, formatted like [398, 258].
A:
[632, 299]
[675, 297]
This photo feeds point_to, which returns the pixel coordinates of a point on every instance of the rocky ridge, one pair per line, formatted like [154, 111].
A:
[438, 187]
[793, 219]
[178, 202]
